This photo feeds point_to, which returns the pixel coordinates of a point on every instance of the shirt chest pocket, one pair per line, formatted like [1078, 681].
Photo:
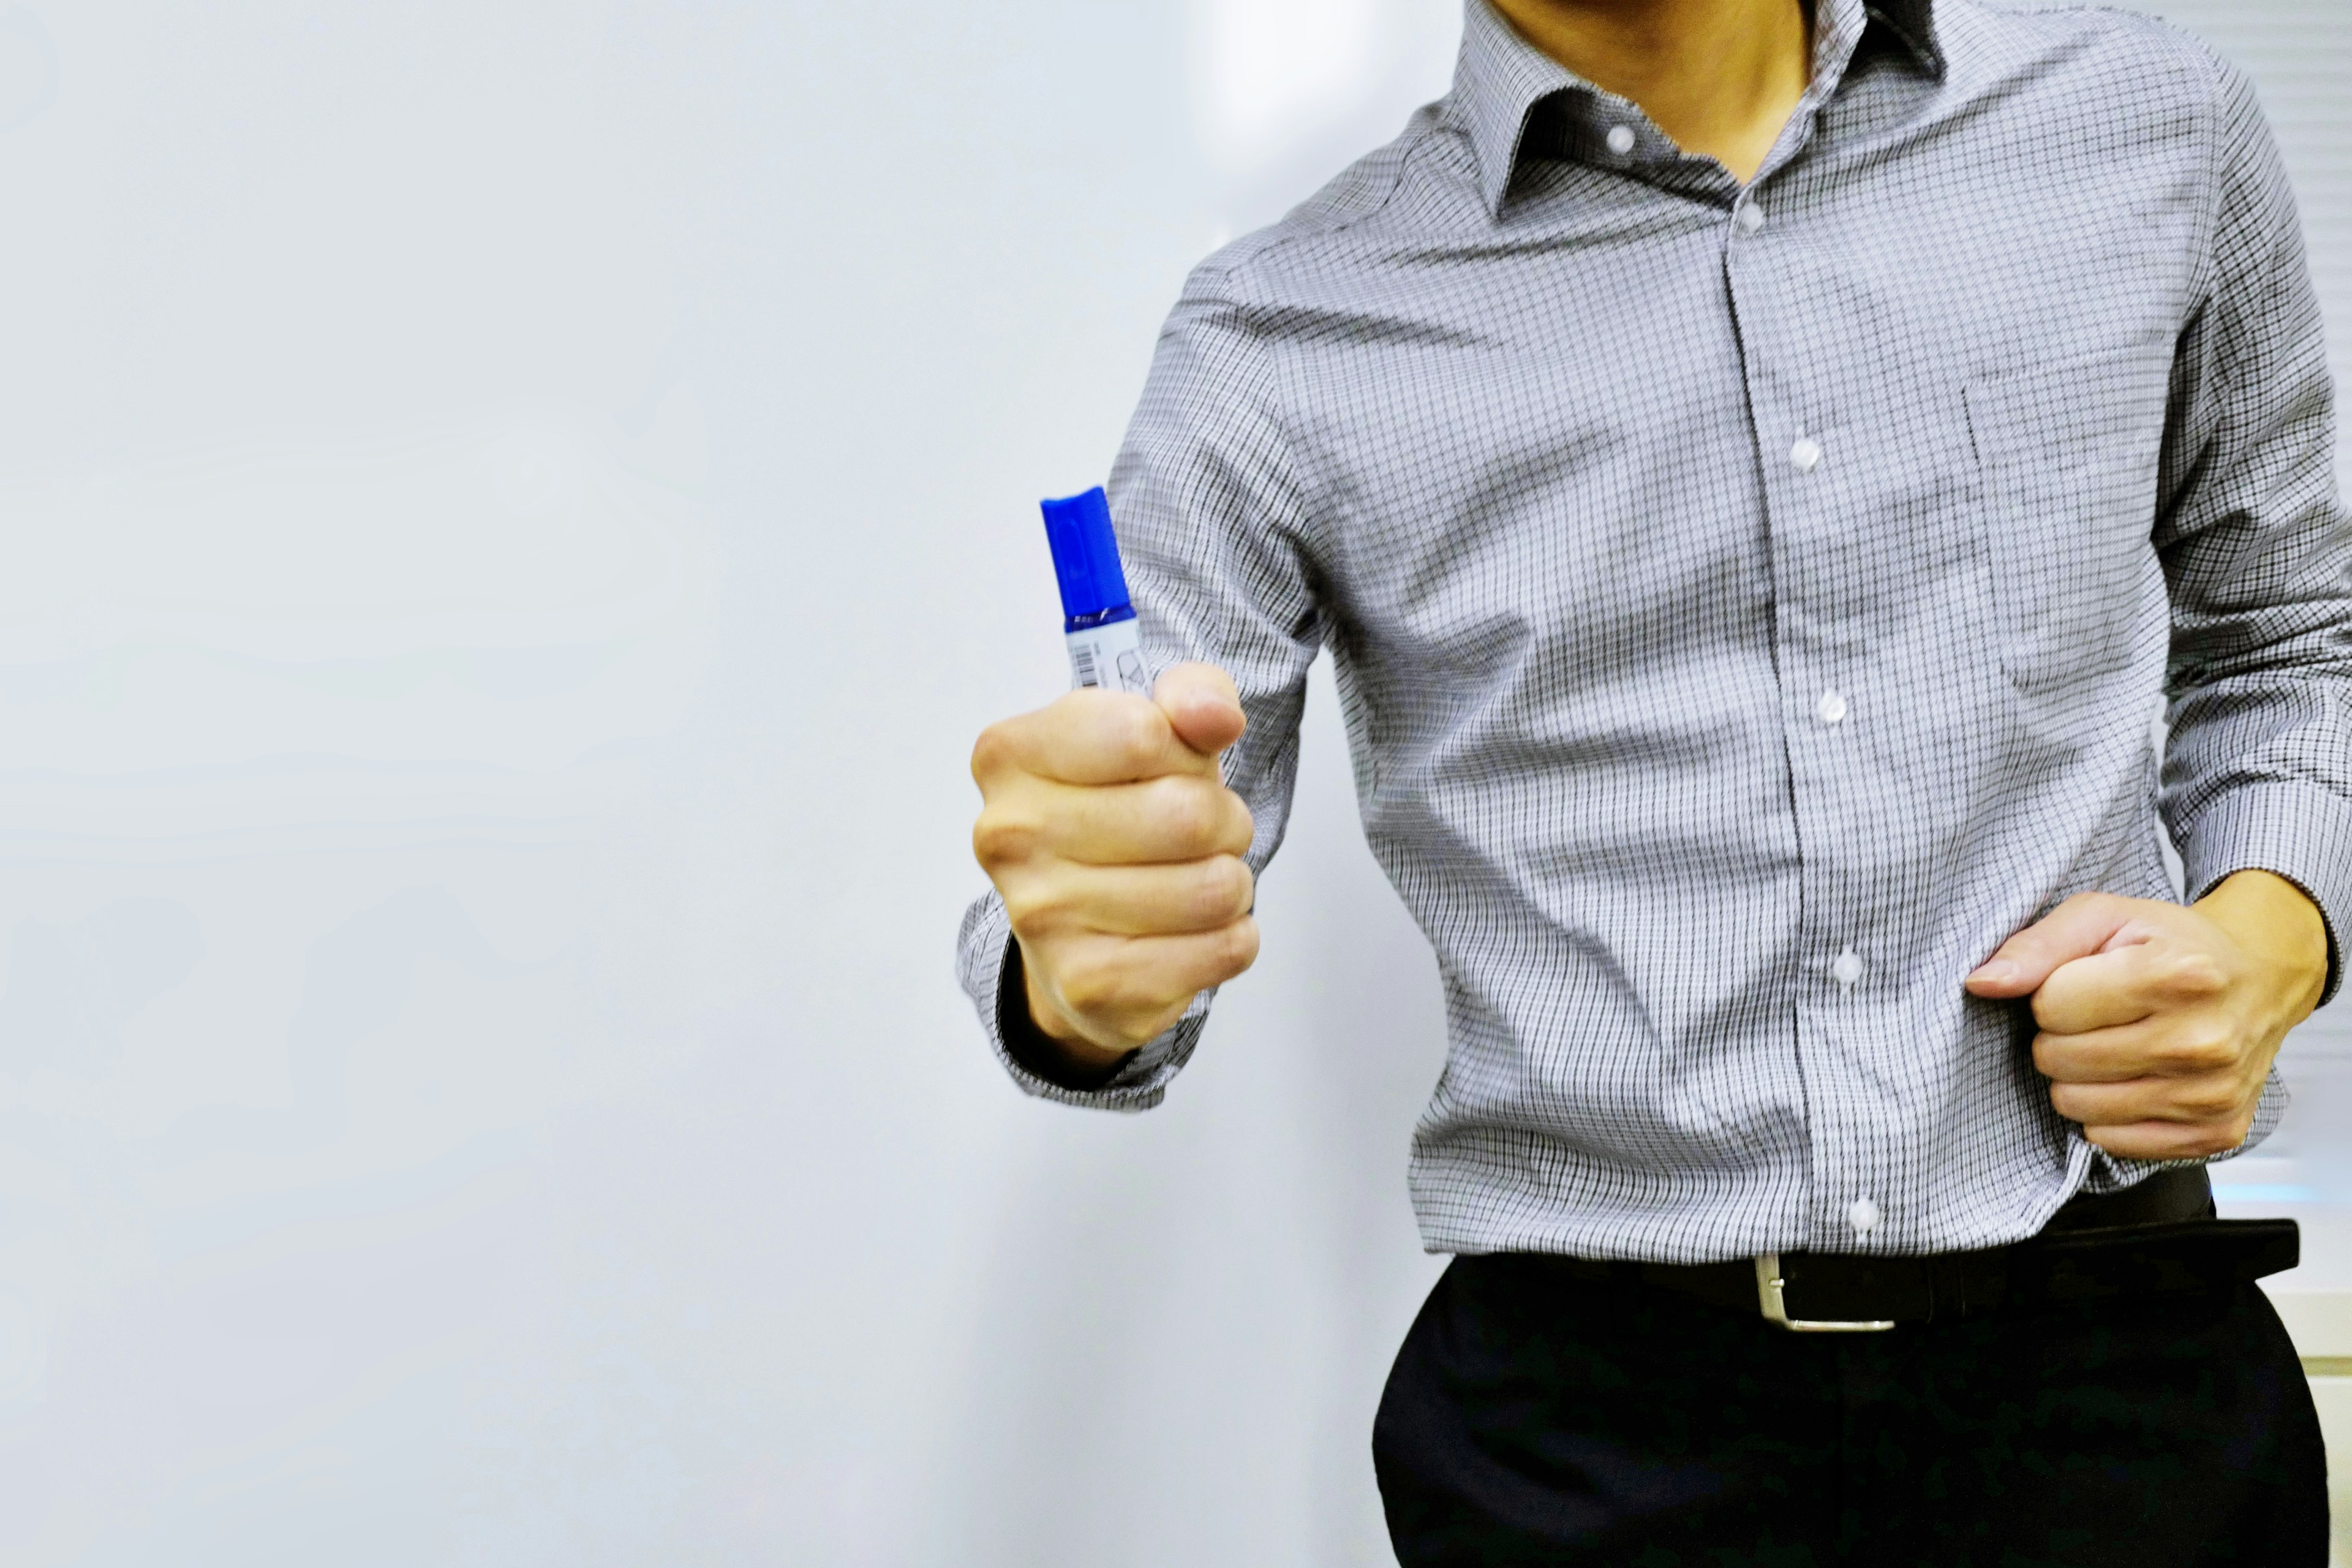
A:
[2066, 464]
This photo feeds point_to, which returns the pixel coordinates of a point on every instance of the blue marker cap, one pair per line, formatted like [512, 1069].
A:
[1085, 558]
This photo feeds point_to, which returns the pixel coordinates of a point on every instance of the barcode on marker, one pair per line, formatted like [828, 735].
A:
[1101, 657]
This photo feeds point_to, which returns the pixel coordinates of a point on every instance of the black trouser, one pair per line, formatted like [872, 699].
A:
[1536, 1418]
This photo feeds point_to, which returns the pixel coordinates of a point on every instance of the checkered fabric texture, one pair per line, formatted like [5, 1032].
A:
[1752, 605]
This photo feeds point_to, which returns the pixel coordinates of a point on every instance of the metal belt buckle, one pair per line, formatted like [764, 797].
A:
[1769, 1288]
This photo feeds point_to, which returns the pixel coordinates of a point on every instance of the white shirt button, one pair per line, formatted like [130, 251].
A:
[1806, 454]
[1847, 970]
[1863, 1217]
[1620, 140]
[1751, 219]
[1831, 708]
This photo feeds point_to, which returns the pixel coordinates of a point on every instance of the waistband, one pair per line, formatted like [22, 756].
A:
[2157, 1237]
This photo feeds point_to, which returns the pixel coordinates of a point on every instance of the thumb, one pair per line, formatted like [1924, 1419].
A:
[2083, 925]
[1202, 707]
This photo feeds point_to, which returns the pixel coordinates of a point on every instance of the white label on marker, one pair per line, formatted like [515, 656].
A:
[1110, 655]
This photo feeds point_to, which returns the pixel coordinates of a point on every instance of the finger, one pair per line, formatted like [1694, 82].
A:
[1087, 737]
[1177, 817]
[1139, 984]
[2081, 926]
[2101, 1055]
[1132, 900]
[1202, 707]
[2189, 1101]
[1189, 962]
[2167, 1140]
[2165, 1046]
[2143, 974]
[2105, 991]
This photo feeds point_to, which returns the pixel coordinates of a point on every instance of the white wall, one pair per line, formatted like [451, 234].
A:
[513, 512]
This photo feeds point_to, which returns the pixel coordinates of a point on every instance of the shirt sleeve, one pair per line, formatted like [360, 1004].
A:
[1213, 526]
[2257, 552]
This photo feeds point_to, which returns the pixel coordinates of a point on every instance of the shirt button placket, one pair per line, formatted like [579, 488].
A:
[1805, 456]
[1800, 512]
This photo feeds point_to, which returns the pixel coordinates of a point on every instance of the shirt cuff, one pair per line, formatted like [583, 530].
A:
[991, 964]
[2297, 831]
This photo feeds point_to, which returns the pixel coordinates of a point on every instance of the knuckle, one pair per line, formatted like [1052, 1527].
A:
[1242, 823]
[1090, 988]
[1202, 895]
[1003, 838]
[1128, 734]
[1238, 946]
[2209, 1102]
[1029, 908]
[1188, 814]
[1220, 891]
[2193, 974]
[2203, 1046]
[991, 753]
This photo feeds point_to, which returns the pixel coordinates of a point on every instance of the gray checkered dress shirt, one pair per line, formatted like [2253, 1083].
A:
[1751, 605]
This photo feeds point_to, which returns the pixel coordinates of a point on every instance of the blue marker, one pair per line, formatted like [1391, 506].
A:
[1097, 621]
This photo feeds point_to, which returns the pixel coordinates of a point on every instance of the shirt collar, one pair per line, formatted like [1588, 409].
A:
[1502, 78]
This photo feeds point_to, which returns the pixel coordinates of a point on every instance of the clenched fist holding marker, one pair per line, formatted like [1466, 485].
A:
[1117, 850]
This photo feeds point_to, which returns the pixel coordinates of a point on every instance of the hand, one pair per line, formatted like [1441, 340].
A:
[2160, 1022]
[1117, 851]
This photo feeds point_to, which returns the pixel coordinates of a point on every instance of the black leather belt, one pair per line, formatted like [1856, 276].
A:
[2159, 1238]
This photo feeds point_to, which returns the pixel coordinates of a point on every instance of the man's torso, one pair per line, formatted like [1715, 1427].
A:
[1744, 623]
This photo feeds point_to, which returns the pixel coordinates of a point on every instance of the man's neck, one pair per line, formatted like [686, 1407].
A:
[1720, 77]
